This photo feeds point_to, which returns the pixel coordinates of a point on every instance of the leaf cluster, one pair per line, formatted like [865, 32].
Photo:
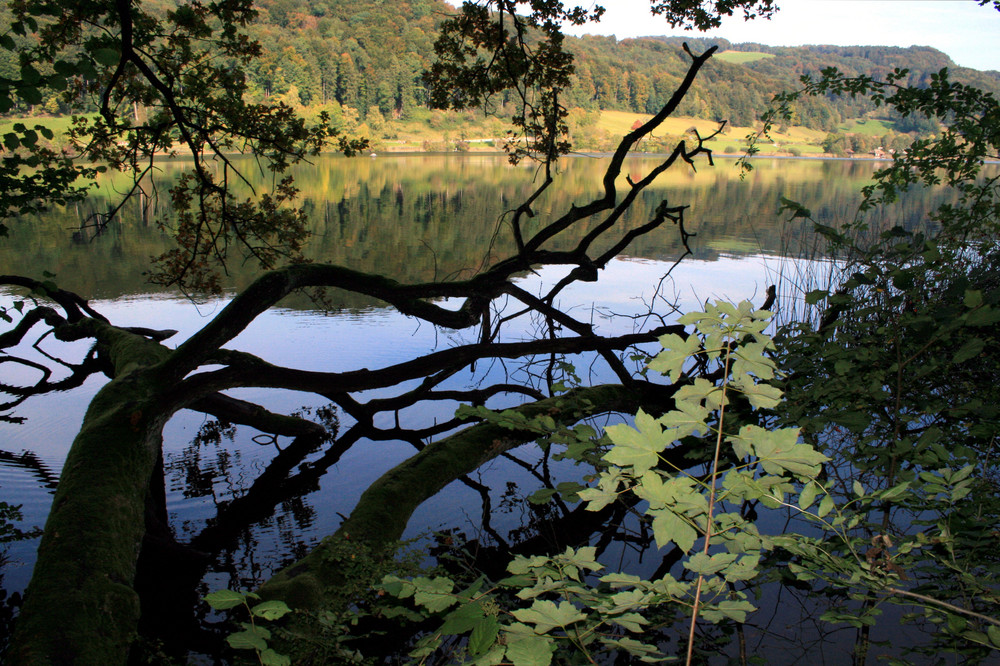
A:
[252, 635]
[492, 50]
[567, 613]
[164, 83]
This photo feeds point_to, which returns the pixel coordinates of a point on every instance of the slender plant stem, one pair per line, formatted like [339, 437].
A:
[711, 507]
[943, 604]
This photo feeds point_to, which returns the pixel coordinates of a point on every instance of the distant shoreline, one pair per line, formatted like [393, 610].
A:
[774, 156]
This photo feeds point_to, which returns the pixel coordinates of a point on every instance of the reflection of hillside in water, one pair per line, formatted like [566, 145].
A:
[425, 217]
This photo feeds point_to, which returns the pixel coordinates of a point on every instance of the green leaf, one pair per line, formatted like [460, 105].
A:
[483, 635]
[600, 497]
[687, 419]
[795, 208]
[398, 587]
[462, 619]
[434, 594]
[271, 610]
[973, 298]
[734, 610]
[251, 639]
[971, 349]
[402, 611]
[570, 490]
[494, 657]
[853, 421]
[583, 557]
[525, 649]
[956, 623]
[541, 496]
[224, 599]
[669, 527]
[816, 295]
[750, 359]
[962, 474]
[546, 615]
[30, 94]
[637, 447]
[107, 57]
[30, 75]
[631, 621]
[761, 396]
[895, 491]
[30, 139]
[984, 316]
[779, 451]
[700, 563]
[700, 391]
[64, 68]
[809, 494]
[269, 657]
[825, 506]
[744, 568]
[676, 351]
[994, 634]
[645, 653]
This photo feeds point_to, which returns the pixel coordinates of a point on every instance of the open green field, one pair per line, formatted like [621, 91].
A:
[58, 124]
[733, 140]
[620, 123]
[869, 126]
[439, 131]
[742, 57]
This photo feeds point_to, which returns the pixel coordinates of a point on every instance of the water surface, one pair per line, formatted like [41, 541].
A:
[414, 218]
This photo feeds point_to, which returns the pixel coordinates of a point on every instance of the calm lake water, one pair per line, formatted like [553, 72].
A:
[413, 217]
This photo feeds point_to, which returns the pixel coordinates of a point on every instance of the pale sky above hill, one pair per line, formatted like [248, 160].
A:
[967, 32]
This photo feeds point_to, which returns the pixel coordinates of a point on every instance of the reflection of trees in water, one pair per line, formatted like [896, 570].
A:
[35, 466]
[418, 218]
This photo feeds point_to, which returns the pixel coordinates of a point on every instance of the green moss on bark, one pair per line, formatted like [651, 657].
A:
[80, 607]
[384, 509]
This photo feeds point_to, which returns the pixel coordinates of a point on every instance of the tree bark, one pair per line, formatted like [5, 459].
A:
[80, 607]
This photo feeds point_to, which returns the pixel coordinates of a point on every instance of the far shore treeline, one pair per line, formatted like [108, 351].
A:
[363, 64]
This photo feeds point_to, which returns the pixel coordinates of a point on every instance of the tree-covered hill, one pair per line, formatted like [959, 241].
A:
[638, 74]
[366, 54]
[354, 57]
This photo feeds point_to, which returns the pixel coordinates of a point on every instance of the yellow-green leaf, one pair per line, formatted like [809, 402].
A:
[546, 615]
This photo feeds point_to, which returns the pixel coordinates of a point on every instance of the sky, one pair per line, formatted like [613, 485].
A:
[967, 32]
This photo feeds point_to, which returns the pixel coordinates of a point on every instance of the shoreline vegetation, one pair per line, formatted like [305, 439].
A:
[592, 133]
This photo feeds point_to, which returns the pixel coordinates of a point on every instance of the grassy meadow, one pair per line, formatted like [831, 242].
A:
[742, 57]
[448, 131]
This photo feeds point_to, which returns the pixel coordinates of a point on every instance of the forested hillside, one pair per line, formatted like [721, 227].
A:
[363, 60]
[366, 54]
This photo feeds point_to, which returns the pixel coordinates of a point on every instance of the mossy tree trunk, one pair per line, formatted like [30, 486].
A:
[81, 607]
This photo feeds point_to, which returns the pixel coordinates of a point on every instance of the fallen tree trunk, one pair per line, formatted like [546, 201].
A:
[80, 607]
[384, 509]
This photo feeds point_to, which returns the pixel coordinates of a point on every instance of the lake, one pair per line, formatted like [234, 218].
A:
[413, 217]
